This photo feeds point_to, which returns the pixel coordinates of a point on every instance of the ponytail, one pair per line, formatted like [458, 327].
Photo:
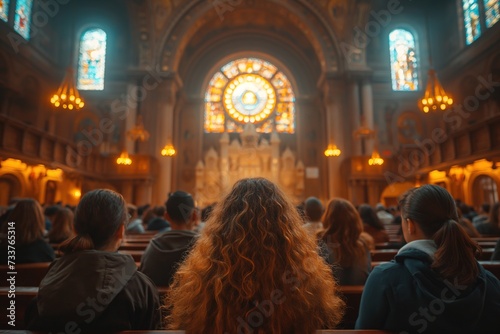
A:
[455, 258]
[80, 242]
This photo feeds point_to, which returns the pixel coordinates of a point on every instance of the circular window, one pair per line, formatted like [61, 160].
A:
[249, 98]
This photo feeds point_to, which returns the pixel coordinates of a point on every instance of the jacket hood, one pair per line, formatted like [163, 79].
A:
[83, 284]
[458, 305]
[173, 241]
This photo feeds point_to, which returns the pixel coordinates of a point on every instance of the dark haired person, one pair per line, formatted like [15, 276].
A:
[92, 288]
[166, 251]
[435, 284]
[372, 224]
[313, 210]
[26, 223]
[254, 270]
[492, 226]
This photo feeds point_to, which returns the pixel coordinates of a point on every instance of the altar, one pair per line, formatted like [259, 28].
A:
[247, 156]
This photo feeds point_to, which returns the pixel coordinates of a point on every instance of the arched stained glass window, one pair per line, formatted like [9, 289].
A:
[249, 90]
[492, 11]
[471, 20]
[404, 62]
[4, 10]
[92, 60]
[22, 19]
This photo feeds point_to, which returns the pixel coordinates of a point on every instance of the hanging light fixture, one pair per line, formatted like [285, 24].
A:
[124, 159]
[67, 96]
[168, 151]
[375, 159]
[332, 151]
[138, 132]
[435, 97]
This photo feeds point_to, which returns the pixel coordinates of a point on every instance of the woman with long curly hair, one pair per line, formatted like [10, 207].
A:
[348, 246]
[254, 270]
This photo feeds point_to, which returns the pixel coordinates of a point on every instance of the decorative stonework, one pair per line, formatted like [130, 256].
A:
[248, 158]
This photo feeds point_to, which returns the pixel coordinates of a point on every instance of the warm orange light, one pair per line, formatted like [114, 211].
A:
[168, 151]
[435, 97]
[67, 95]
[332, 151]
[375, 159]
[124, 159]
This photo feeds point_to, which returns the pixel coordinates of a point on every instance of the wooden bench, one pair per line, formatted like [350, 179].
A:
[28, 274]
[388, 254]
[136, 254]
[23, 296]
[133, 246]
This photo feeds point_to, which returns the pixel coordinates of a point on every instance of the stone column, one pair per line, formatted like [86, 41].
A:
[367, 96]
[130, 121]
[167, 98]
[355, 116]
[127, 191]
[333, 103]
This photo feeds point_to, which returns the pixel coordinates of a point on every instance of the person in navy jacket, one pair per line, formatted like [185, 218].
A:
[434, 284]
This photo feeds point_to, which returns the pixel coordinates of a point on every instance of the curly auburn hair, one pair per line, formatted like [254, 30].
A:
[254, 270]
[344, 232]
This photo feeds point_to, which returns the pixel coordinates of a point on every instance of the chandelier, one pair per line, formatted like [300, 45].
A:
[435, 97]
[168, 151]
[332, 151]
[124, 159]
[138, 132]
[67, 96]
[375, 159]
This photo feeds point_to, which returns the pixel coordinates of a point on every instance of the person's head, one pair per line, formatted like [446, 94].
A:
[100, 220]
[369, 216]
[343, 228]
[132, 211]
[380, 207]
[62, 226]
[485, 208]
[29, 221]
[180, 210]
[254, 249]
[51, 211]
[159, 211]
[494, 217]
[429, 212]
[313, 209]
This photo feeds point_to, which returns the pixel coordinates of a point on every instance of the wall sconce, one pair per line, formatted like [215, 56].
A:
[124, 159]
[168, 151]
[332, 151]
[375, 159]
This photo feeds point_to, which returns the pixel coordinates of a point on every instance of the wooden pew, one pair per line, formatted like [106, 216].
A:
[136, 254]
[133, 246]
[24, 295]
[28, 274]
[388, 254]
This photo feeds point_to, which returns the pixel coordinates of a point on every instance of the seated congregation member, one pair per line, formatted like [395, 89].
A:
[313, 210]
[348, 246]
[496, 254]
[166, 251]
[254, 270]
[62, 226]
[492, 226]
[27, 223]
[158, 222]
[92, 287]
[372, 224]
[135, 225]
[435, 284]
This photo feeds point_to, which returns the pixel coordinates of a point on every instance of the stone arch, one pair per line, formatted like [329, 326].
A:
[307, 17]
[12, 184]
